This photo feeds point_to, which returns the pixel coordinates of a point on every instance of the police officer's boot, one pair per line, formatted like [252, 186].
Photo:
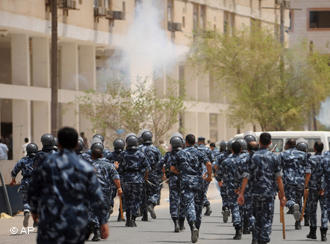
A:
[151, 210]
[119, 219]
[246, 227]
[145, 215]
[323, 234]
[181, 224]
[89, 231]
[208, 211]
[297, 225]
[133, 223]
[97, 234]
[254, 241]
[128, 220]
[26, 218]
[306, 220]
[312, 233]
[176, 225]
[194, 232]
[238, 234]
[296, 212]
[111, 210]
[225, 214]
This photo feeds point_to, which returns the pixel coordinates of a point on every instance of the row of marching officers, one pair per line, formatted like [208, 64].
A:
[255, 174]
[70, 192]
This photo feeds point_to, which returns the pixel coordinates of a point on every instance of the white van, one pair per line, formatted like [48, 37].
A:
[279, 138]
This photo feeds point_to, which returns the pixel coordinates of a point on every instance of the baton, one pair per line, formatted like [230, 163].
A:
[282, 220]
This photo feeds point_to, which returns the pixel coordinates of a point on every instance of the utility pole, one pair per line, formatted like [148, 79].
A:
[282, 11]
[54, 81]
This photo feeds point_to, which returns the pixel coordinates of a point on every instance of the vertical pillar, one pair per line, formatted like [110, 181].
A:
[20, 63]
[69, 81]
[41, 120]
[40, 62]
[41, 78]
[87, 67]
[69, 66]
[70, 115]
[203, 127]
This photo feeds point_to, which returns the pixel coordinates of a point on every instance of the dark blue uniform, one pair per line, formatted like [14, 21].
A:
[176, 207]
[223, 192]
[106, 175]
[132, 170]
[262, 173]
[25, 165]
[326, 170]
[230, 174]
[189, 162]
[209, 154]
[315, 185]
[62, 189]
[153, 187]
[293, 163]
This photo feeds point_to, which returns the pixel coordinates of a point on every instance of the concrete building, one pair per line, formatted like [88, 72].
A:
[311, 22]
[87, 30]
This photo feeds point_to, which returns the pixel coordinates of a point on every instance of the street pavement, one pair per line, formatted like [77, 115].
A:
[213, 229]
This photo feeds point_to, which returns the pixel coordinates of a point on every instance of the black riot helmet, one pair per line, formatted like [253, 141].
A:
[229, 144]
[47, 140]
[31, 149]
[131, 141]
[119, 145]
[249, 138]
[243, 144]
[97, 149]
[176, 141]
[302, 146]
[223, 146]
[80, 146]
[99, 137]
[147, 137]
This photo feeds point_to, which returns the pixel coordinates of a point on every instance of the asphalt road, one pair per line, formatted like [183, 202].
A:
[213, 229]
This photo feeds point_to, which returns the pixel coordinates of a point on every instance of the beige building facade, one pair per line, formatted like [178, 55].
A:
[87, 34]
[311, 23]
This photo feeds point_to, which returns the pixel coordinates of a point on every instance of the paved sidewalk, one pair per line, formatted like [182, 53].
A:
[213, 230]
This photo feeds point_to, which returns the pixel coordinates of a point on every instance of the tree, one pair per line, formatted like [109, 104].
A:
[260, 89]
[131, 110]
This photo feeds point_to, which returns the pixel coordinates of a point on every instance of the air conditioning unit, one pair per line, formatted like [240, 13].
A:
[109, 14]
[287, 4]
[118, 15]
[67, 4]
[173, 27]
[100, 12]
[71, 4]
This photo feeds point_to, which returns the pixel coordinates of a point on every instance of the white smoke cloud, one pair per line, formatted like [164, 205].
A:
[324, 115]
[146, 48]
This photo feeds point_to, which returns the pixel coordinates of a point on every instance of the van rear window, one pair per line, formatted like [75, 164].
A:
[278, 143]
[311, 142]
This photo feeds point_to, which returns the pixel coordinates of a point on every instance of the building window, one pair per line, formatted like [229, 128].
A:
[181, 80]
[213, 127]
[229, 22]
[291, 17]
[202, 19]
[195, 17]
[170, 10]
[319, 19]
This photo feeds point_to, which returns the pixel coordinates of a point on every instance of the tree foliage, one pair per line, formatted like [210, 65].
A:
[131, 110]
[265, 83]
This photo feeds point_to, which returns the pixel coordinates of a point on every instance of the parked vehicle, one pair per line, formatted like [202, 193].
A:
[279, 138]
